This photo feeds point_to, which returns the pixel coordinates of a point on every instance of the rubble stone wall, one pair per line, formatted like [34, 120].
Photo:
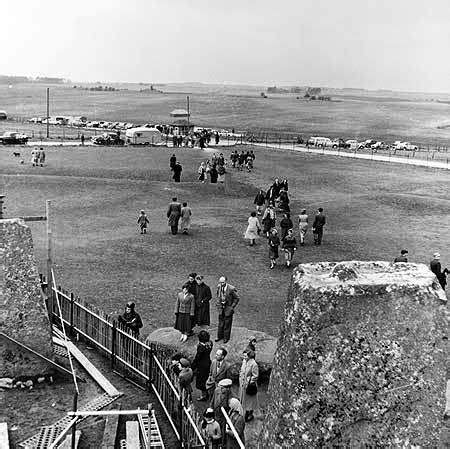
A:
[23, 315]
[361, 358]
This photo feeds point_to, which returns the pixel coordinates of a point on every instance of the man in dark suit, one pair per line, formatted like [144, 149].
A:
[227, 300]
[317, 227]
[218, 370]
[173, 215]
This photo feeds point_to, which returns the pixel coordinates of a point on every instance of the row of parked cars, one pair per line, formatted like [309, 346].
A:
[352, 144]
[82, 122]
[13, 138]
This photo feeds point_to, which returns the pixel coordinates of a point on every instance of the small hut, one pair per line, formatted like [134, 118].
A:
[180, 121]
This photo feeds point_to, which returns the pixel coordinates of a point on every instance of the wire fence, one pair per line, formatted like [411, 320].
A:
[148, 363]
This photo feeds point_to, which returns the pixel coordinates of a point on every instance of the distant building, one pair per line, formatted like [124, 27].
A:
[180, 113]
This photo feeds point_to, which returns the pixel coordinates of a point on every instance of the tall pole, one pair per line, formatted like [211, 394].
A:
[48, 110]
[188, 111]
[49, 261]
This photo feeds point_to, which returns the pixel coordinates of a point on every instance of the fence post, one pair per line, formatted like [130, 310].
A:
[180, 420]
[113, 344]
[72, 301]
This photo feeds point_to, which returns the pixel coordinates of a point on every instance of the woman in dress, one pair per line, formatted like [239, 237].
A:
[253, 229]
[289, 246]
[201, 172]
[236, 414]
[274, 243]
[303, 226]
[184, 313]
[186, 213]
[202, 363]
[248, 389]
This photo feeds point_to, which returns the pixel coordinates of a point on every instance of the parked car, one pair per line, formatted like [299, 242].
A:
[35, 120]
[411, 147]
[108, 139]
[320, 141]
[339, 143]
[352, 144]
[378, 146]
[13, 138]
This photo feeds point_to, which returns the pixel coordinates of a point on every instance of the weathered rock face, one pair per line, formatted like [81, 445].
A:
[265, 347]
[23, 315]
[360, 359]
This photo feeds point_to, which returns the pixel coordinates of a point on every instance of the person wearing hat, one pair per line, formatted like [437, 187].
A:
[435, 267]
[184, 313]
[211, 429]
[251, 344]
[227, 300]
[236, 415]
[221, 398]
[317, 227]
[143, 222]
[403, 256]
[303, 225]
[131, 320]
[185, 380]
[274, 243]
[202, 363]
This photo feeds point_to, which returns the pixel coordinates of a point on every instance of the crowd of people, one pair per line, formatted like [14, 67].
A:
[38, 157]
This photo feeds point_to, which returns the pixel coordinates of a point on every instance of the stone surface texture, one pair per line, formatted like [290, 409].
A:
[23, 315]
[265, 347]
[361, 358]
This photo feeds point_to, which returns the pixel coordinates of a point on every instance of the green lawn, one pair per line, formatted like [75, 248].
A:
[373, 210]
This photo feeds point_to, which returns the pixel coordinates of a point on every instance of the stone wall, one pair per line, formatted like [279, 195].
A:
[360, 360]
[23, 315]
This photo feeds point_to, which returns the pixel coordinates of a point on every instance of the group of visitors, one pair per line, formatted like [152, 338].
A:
[177, 211]
[176, 167]
[243, 159]
[38, 157]
[214, 168]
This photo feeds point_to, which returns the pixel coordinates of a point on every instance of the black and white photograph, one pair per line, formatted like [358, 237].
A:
[224, 224]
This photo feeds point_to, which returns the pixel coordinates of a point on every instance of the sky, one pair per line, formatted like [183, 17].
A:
[372, 44]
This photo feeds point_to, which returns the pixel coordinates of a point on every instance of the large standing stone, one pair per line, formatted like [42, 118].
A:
[23, 315]
[360, 360]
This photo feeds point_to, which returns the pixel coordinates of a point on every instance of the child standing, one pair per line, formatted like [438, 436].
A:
[211, 429]
[143, 222]
[274, 243]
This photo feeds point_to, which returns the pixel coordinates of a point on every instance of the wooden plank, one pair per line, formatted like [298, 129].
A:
[67, 443]
[104, 383]
[4, 440]
[64, 432]
[108, 412]
[110, 432]
[34, 218]
[132, 429]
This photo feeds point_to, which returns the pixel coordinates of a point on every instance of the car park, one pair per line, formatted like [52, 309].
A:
[13, 138]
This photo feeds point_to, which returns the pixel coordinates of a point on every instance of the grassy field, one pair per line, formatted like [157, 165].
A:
[373, 210]
[397, 116]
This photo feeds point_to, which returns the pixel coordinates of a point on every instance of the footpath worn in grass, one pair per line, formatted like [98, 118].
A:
[373, 210]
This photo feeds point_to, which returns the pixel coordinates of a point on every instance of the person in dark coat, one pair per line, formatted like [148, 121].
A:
[220, 369]
[191, 284]
[173, 215]
[259, 201]
[174, 141]
[289, 246]
[269, 220]
[173, 161]
[283, 203]
[227, 300]
[222, 395]
[131, 320]
[202, 363]
[403, 256]
[217, 138]
[214, 174]
[201, 142]
[285, 225]
[435, 267]
[202, 298]
[274, 243]
[184, 313]
[317, 227]
[177, 169]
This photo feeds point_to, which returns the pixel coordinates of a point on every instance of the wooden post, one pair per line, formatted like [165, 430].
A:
[49, 261]
[74, 427]
[72, 301]
[113, 344]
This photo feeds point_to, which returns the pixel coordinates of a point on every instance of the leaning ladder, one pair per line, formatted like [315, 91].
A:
[155, 435]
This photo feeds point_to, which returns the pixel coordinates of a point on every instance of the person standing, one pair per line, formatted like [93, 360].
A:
[185, 381]
[184, 313]
[253, 229]
[35, 157]
[221, 173]
[435, 267]
[143, 222]
[202, 300]
[251, 344]
[317, 227]
[248, 384]
[268, 220]
[41, 156]
[303, 226]
[82, 139]
[186, 214]
[201, 172]
[211, 429]
[221, 398]
[228, 299]
[259, 201]
[274, 243]
[213, 174]
[221, 160]
[217, 138]
[285, 225]
[173, 215]
[172, 161]
[403, 256]
[177, 169]
[283, 202]
[236, 415]
[202, 363]
[131, 320]
[289, 246]
[219, 370]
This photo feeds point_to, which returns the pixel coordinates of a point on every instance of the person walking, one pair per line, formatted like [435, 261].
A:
[285, 225]
[184, 313]
[185, 382]
[248, 385]
[303, 226]
[131, 320]
[317, 227]
[202, 300]
[213, 174]
[218, 370]
[221, 173]
[35, 157]
[289, 246]
[268, 220]
[186, 214]
[202, 363]
[82, 139]
[172, 161]
[259, 201]
[217, 138]
[173, 215]
[228, 299]
[143, 222]
[236, 415]
[274, 243]
[177, 169]
[41, 157]
[253, 229]
[283, 202]
[211, 429]
[436, 268]
[201, 172]
[403, 256]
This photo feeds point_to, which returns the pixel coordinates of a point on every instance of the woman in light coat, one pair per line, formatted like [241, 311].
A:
[186, 213]
[253, 228]
[303, 226]
[248, 375]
